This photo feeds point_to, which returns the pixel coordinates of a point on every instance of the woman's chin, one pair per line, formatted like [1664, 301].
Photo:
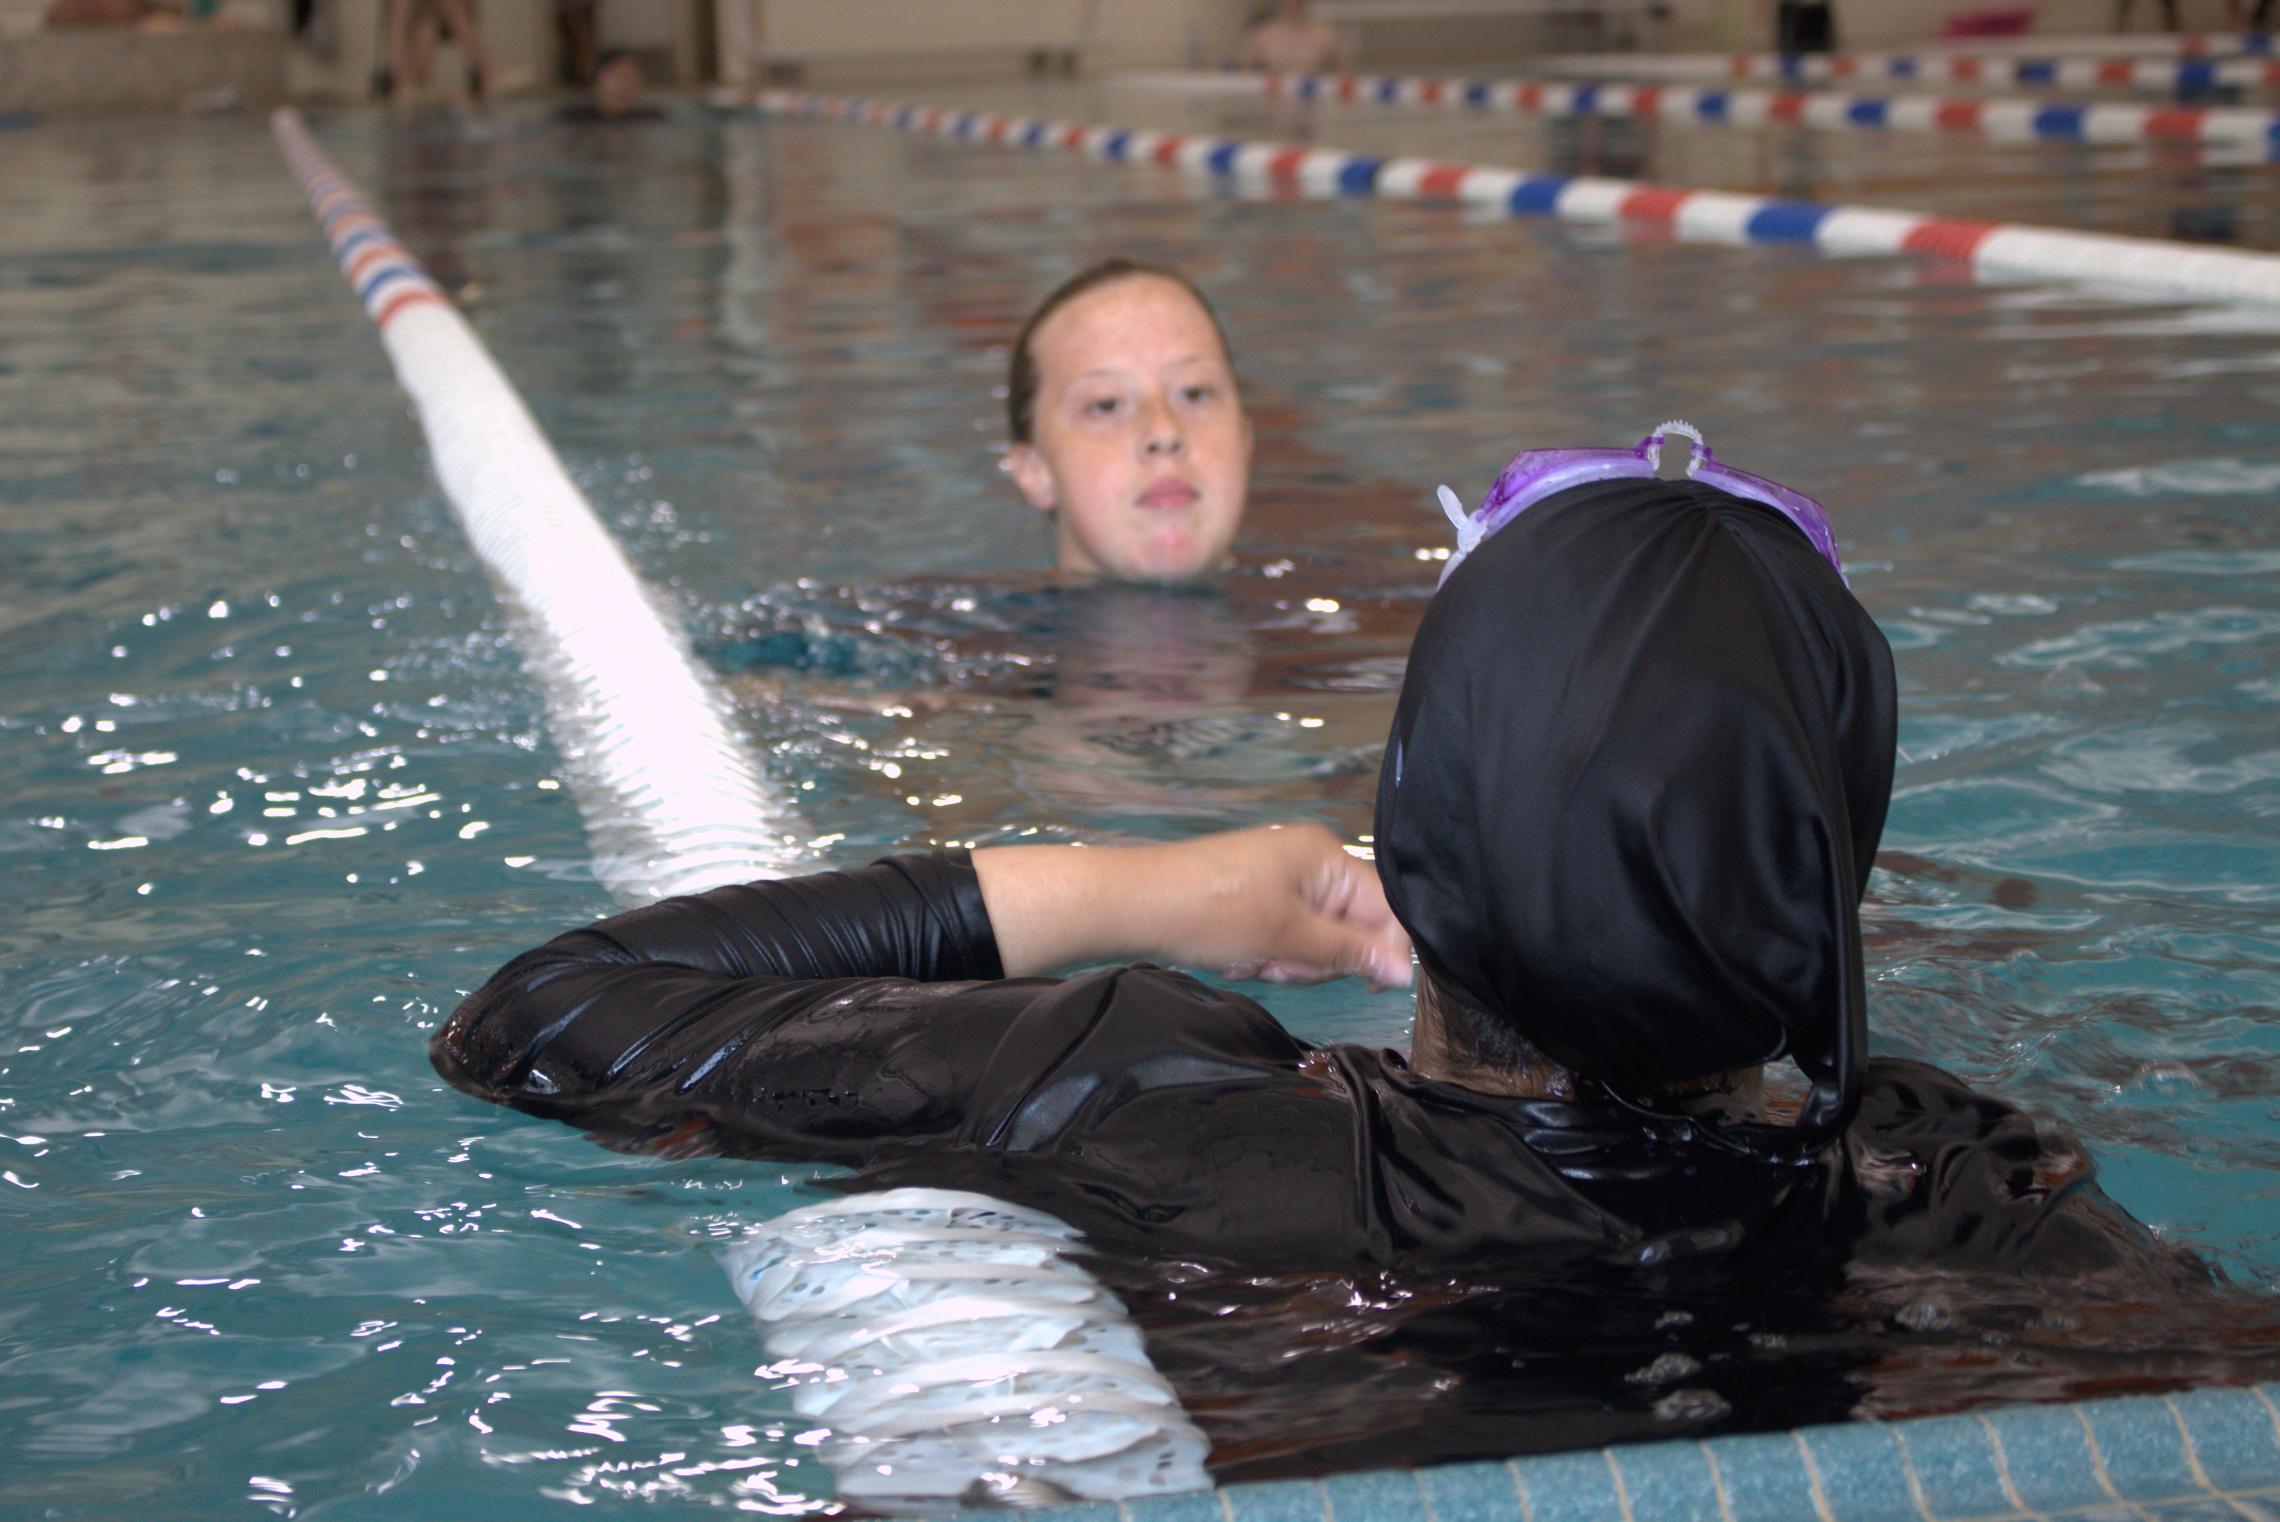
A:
[1174, 553]
[1168, 553]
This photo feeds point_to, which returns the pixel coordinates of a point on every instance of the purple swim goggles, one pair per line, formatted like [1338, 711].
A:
[1535, 474]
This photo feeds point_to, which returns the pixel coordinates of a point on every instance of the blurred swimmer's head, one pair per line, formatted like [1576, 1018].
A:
[1127, 426]
[1632, 793]
[618, 83]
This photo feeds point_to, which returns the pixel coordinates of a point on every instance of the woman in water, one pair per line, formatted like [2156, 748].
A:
[1628, 809]
[1127, 428]
[1144, 675]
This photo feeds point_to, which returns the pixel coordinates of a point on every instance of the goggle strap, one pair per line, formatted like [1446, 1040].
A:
[1469, 532]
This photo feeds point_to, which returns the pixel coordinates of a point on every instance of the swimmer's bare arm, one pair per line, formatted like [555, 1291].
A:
[1282, 902]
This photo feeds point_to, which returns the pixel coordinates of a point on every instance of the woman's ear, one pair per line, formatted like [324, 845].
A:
[1032, 475]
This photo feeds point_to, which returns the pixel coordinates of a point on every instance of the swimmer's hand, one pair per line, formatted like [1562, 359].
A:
[1285, 903]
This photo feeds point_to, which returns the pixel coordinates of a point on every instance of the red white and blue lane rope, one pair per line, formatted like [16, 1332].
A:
[2017, 120]
[386, 277]
[2256, 68]
[671, 799]
[1989, 248]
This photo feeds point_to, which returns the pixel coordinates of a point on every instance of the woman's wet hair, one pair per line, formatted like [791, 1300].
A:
[1481, 1044]
[1021, 373]
[1474, 1038]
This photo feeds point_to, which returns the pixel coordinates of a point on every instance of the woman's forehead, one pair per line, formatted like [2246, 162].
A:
[1143, 322]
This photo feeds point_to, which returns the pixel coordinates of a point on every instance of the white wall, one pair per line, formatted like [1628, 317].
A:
[888, 38]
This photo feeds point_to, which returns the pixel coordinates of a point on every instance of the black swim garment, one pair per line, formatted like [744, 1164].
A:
[858, 1018]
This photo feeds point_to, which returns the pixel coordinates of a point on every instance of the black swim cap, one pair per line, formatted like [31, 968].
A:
[1634, 789]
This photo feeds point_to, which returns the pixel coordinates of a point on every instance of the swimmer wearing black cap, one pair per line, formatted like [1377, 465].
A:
[1627, 811]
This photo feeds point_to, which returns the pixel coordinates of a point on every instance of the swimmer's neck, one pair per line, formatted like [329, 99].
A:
[1431, 1055]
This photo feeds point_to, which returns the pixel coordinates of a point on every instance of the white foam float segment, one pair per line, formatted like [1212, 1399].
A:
[1489, 187]
[2113, 124]
[2009, 120]
[1195, 155]
[1252, 160]
[671, 801]
[2138, 263]
[1747, 108]
[1717, 216]
[2237, 124]
[1403, 179]
[1320, 169]
[924, 1331]
[1823, 110]
[1587, 199]
[1913, 113]
[2004, 249]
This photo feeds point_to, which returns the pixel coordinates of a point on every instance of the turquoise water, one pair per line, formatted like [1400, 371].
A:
[278, 792]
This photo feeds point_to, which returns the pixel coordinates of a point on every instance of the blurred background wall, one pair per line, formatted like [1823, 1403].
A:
[249, 51]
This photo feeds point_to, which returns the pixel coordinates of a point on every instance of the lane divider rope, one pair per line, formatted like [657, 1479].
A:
[928, 1333]
[2011, 119]
[671, 800]
[1989, 248]
[2255, 68]
[933, 1330]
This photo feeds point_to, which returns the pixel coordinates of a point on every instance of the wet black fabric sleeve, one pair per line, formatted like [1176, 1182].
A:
[793, 1018]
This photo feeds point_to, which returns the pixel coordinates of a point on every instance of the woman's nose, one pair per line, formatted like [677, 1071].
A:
[1160, 431]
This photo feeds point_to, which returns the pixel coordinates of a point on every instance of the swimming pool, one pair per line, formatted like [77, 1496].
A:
[282, 791]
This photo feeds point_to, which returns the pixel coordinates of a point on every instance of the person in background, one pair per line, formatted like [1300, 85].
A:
[1123, 676]
[1290, 41]
[616, 93]
[576, 34]
[1804, 26]
[1127, 427]
[414, 28]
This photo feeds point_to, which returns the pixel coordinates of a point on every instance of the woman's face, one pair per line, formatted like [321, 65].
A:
[1139, 443]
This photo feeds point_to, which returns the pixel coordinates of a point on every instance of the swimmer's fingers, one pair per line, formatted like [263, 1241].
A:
[1380, 973]
[1335, 924]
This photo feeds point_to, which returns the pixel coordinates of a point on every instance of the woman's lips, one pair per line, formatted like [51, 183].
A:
[1169, 494]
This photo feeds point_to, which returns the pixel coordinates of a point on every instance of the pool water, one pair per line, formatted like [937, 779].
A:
[279, 794]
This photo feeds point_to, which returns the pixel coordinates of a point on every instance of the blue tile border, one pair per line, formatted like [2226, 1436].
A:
[1275, 1501]
[1690, 1487]
[1955, 1469]
[1368, 1497]
[2205, 1455]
